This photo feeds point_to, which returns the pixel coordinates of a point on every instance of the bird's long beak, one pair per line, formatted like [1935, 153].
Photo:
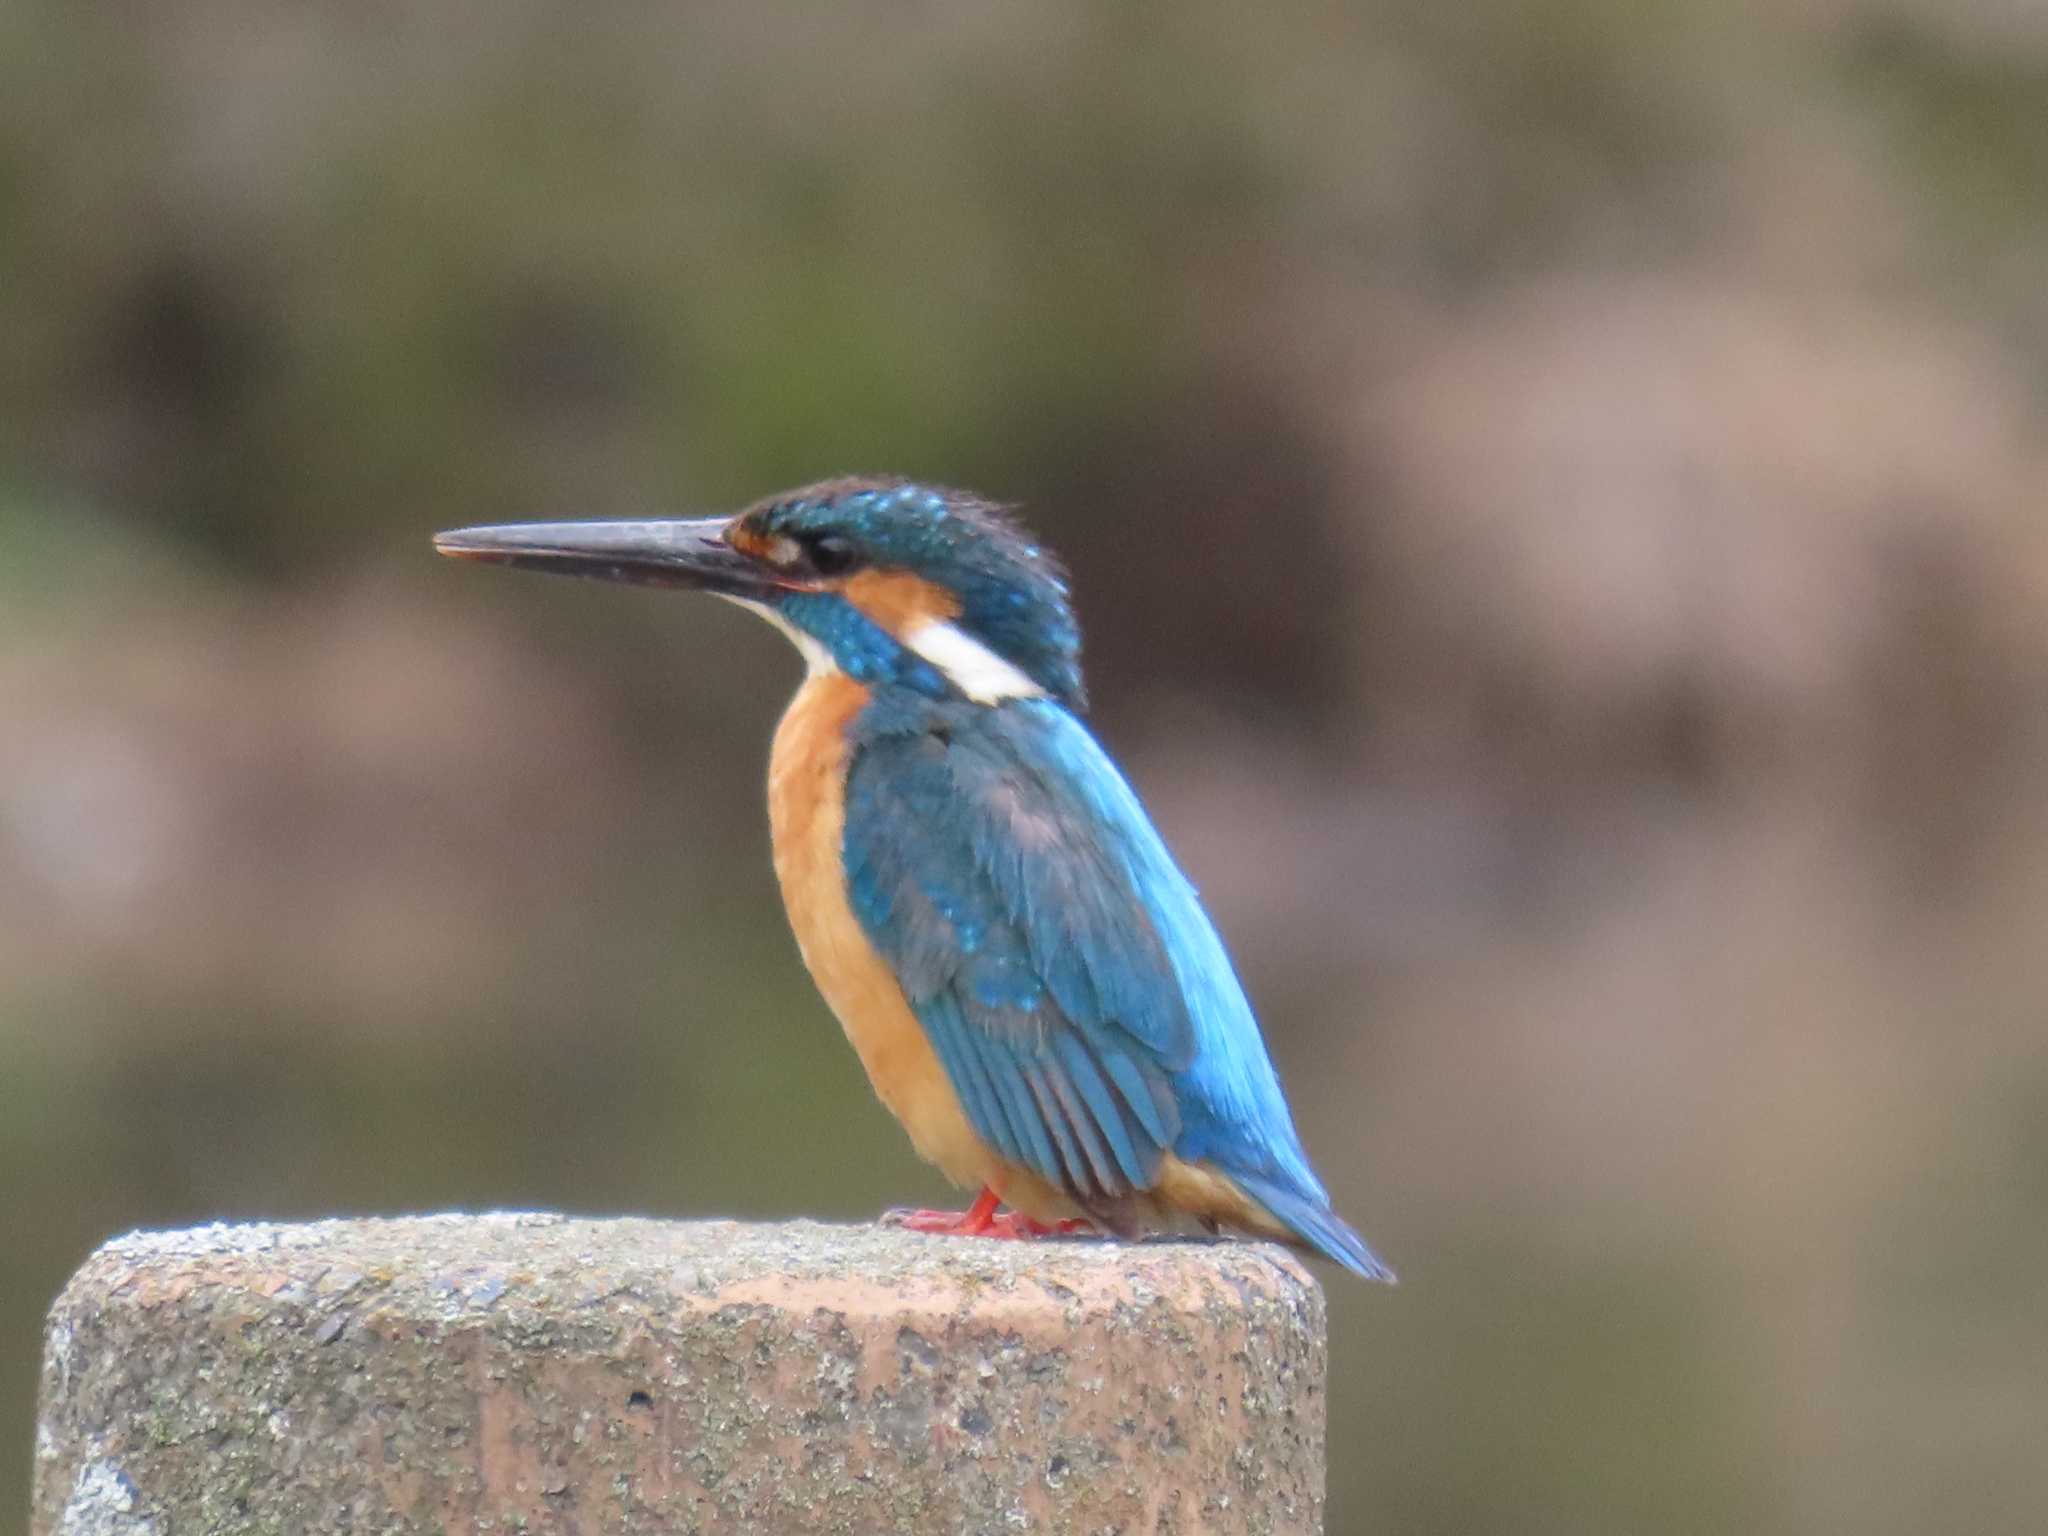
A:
[663, 554]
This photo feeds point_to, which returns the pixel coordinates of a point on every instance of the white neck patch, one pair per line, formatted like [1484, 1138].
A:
[817, 660]
[969, 665]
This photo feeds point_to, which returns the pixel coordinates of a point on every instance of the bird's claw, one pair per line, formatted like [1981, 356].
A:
[981, 1219]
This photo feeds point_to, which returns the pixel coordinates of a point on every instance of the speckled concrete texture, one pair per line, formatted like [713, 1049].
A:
[527, 1373]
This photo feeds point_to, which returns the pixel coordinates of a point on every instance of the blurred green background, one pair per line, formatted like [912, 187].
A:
[1558, 494]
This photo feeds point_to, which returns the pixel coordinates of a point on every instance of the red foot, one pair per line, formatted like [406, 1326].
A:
[980, 1220]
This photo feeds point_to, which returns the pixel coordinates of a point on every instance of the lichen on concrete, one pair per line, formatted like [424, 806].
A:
[532, 1373]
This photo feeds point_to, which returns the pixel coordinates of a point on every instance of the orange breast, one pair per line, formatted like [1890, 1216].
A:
[807, 813]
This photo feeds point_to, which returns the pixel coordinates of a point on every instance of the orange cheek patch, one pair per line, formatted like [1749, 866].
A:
[899, 601]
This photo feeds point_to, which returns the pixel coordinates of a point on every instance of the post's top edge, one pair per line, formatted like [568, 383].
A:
[453, 1260]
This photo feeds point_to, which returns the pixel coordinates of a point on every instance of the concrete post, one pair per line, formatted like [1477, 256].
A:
[529, 1373]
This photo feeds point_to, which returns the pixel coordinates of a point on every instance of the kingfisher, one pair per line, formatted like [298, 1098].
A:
[1026, 975]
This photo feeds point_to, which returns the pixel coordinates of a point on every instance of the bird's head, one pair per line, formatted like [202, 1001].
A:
[882, 579]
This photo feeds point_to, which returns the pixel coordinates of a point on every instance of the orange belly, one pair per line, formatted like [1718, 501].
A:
[807, 815]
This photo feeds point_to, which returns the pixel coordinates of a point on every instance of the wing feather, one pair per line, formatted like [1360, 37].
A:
[1010, 913]
[981, 1095]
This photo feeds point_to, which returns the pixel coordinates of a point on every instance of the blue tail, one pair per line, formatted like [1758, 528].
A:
[1318, 1226]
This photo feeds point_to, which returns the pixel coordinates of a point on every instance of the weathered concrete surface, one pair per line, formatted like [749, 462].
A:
[528, 1373]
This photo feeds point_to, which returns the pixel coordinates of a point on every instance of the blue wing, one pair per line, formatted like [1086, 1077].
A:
[1078, 996]
[1021, 941]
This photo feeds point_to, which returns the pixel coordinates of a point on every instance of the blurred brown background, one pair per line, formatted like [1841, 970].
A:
[1557, 492]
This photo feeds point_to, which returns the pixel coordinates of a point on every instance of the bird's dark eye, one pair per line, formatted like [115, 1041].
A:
[830, 554]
